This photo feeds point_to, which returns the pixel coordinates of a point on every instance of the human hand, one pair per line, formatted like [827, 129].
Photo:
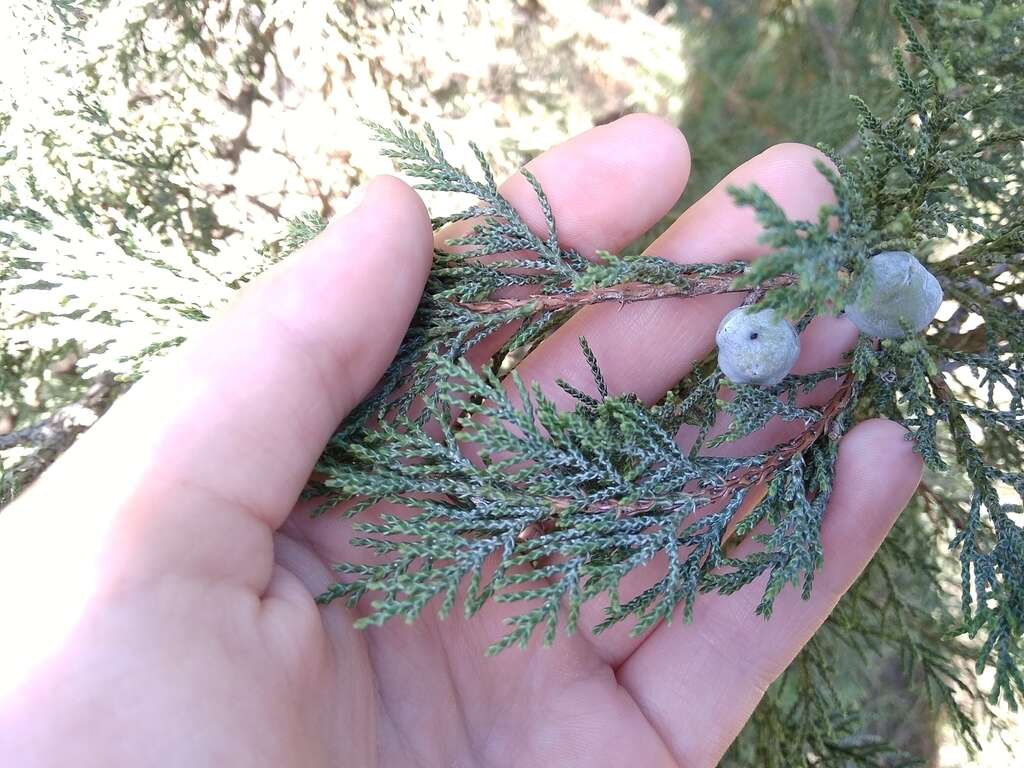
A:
[157, 583]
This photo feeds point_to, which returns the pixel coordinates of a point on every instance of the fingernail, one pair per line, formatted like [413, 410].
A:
[355, 199]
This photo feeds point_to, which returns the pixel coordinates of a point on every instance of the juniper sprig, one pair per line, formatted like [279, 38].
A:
[509, 499]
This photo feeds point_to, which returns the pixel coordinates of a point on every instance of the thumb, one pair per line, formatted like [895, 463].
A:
[193, 468]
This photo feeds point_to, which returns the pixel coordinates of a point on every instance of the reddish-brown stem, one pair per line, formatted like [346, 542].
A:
[622, 294]
[784, 452]
[738, 481]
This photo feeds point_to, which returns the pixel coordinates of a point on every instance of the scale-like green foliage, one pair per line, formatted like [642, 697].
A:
[604, 488]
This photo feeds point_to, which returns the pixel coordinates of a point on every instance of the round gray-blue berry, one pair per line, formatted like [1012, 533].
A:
[895, 292]
[756, 346]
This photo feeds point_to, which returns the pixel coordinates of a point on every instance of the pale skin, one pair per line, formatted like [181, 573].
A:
[157, 582]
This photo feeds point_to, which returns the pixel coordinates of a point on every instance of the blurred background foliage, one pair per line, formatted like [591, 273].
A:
[154, 152]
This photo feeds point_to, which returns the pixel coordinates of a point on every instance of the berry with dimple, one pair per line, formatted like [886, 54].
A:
[897, 293]
[756, 346]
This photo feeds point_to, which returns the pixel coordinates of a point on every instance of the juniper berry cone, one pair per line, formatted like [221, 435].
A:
[897, 293]
[756, 346]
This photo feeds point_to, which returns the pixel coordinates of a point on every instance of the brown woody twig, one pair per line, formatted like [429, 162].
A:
[738, 481]
[621, 294]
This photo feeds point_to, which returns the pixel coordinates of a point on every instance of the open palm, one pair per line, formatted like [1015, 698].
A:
[157, 584]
